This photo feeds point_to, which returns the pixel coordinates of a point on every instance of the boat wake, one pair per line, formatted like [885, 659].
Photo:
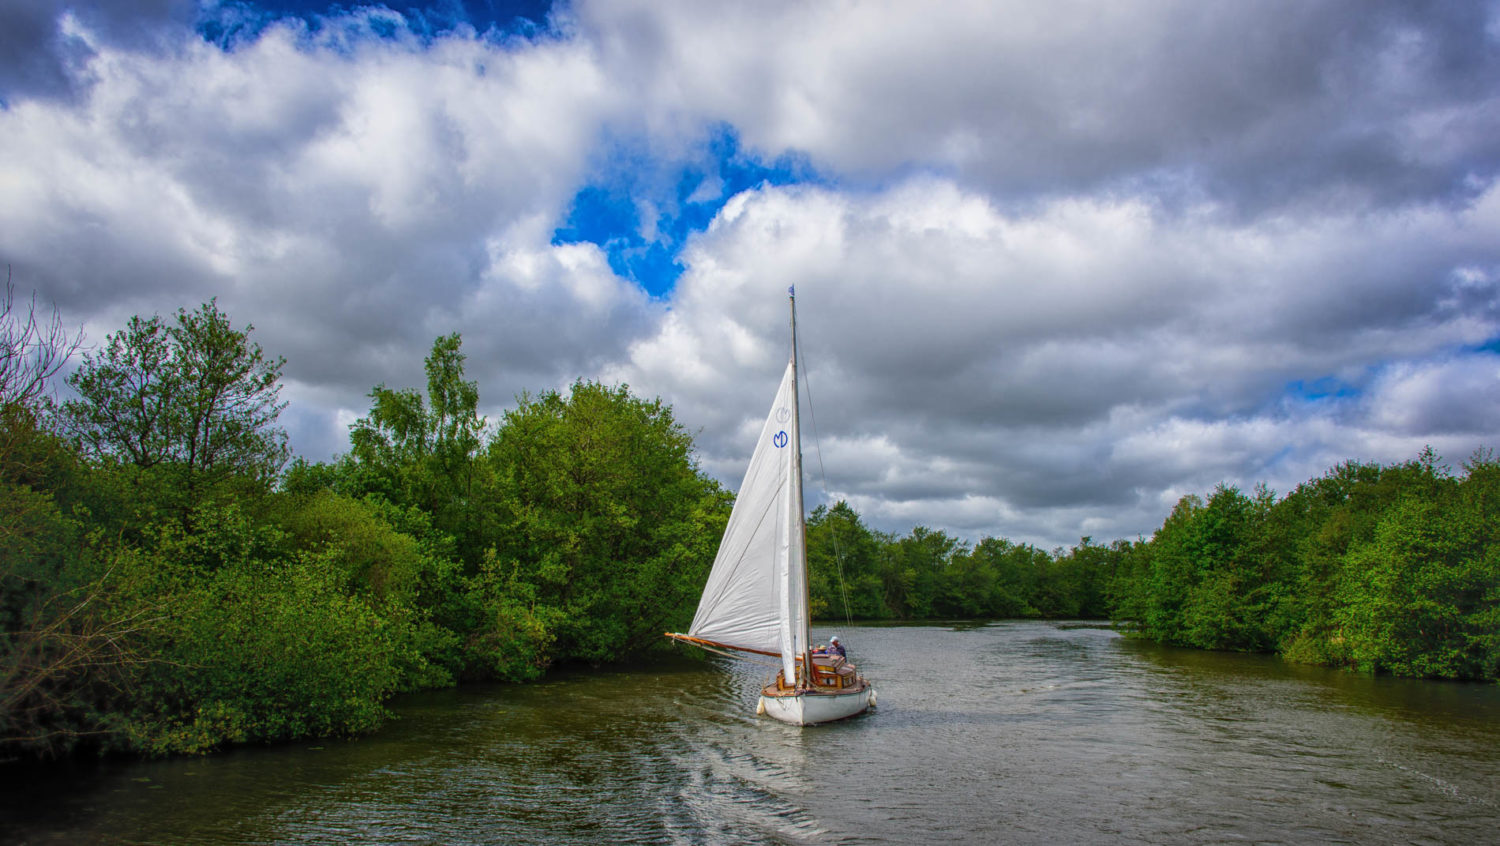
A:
[729, 796]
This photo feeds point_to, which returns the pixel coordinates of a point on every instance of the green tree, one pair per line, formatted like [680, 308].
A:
[608, 527]
[412, 582]
[424, 453]
[1225, 607]
[1168, 573]
[969, 588]
[844, 582]
[1125, 591]
[1422, 596]
[263, 640]
[195, 401]
[1317, 526]
[1199, 573]
[913, 569]
[1015, 569]
[1081, 576]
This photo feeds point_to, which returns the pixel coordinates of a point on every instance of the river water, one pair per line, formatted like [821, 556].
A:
[1012, 732]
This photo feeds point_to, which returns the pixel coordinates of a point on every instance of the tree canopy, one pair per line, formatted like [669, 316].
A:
[197, 394]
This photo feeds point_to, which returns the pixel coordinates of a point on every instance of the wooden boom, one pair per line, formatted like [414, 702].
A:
[698, 641]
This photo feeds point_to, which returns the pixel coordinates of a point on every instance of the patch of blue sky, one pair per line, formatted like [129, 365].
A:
[1325, 389]
[230, 22]
[641, 211]
[1286, 453]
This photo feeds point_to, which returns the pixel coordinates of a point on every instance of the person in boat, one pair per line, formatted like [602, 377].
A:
[833, 648]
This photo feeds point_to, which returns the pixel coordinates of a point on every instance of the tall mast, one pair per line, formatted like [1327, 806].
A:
[803, 625]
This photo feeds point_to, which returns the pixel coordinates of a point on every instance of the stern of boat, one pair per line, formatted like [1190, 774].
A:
[834, 692]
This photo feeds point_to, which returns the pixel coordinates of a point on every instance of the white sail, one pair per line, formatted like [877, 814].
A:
[756, 598]
[756, 595]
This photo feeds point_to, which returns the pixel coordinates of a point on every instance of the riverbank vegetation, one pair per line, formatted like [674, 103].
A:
[1380, 568]
[172, 580]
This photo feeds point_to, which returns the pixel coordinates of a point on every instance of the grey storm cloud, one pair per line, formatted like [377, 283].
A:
[1060, 264]
[39, 57]
[1252, 105]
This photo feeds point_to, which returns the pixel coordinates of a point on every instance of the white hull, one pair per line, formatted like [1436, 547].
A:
[805, 709]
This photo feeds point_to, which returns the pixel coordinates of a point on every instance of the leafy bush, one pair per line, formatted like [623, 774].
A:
[257, 647]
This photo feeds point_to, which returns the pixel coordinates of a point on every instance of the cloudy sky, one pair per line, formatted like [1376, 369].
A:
[1058, 264]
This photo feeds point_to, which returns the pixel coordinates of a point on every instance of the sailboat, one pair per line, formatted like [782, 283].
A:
[756, 599]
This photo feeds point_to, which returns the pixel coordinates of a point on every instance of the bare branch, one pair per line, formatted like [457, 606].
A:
[69, 641]
[32, 350]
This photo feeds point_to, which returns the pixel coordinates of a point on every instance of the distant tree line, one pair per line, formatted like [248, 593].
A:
[1385, 569]
[860, 574]
[171, 580]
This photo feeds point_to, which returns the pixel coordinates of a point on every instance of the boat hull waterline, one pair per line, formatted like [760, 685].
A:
[812, 707]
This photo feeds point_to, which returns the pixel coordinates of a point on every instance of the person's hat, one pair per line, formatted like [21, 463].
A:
[834, 639]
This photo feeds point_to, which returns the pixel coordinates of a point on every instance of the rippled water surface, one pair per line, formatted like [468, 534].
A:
[1004, 733]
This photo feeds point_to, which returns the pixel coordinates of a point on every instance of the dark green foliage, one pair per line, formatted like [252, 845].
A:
[59, 643]
[606, 527]
[399, 571]
[1074, 584]
[844, 566]
[255, 642]
[859, 574]
[157, 595]
[62, 648]
[916, 569]
[1422, 596]
[287, 622]
[1201, 577]
[1387, 569]
[513, 636]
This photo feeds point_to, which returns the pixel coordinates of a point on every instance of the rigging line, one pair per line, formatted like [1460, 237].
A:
[838, 555]
[738, 656]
